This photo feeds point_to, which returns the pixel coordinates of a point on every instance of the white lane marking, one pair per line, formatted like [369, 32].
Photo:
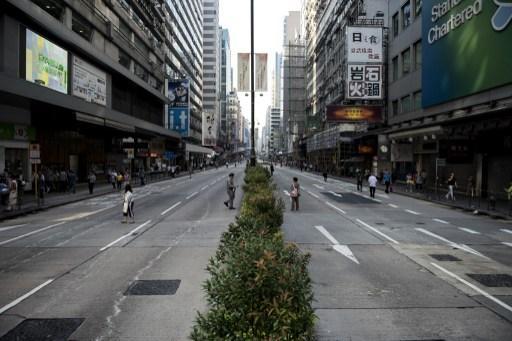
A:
[377, 231]
[468, 230]
[6, 228]
[343, 249]
[508, 244]
[412, 212]
[171, 208]
[462, 247]
[327, 234]
[385, 196]
[31, 233]
[376, 200]
[393, 205]
[204, 187]
[506, 231]
[336, 208]
[313, 194]
[191, 195]
[336, 194]
[319, 187]
[474, 287]
[85, 214]
[213, 183]
[126, 235]
[28, 294]
[441, 221]
[286, 192]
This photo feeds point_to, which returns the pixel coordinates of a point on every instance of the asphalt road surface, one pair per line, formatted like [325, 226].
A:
[67, 271]
[375, 271]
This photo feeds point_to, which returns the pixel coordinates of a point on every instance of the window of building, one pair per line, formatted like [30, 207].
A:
[418, 4]
[139, 44]
[140, 72]
[395, 69]
[406, 61]
[406, 14]
[81, 26]
[405, 104]
[210, 11]
[417, 100]
[53, 7]
[125, 30]
[124, 59]
[395, 25]
[417, 55]
[394, 106]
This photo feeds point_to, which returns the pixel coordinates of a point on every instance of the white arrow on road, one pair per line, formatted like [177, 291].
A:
[336, 194]
[318, 186]
[343, 249]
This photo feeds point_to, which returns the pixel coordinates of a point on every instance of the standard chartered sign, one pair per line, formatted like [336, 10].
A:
[465, 48]
[458, 17]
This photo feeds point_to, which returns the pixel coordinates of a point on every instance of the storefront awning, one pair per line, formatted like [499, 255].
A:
[437, 130]
[198, 149]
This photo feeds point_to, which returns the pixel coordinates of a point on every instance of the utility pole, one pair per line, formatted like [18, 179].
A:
[253, 153]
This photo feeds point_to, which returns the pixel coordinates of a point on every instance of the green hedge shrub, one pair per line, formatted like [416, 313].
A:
[259, 287]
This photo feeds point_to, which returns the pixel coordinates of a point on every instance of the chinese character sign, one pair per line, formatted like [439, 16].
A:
[364, 81]
[364, 44]
[210, 125]
[179, 106]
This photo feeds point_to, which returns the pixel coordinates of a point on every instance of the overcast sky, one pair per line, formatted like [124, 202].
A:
[268, 37]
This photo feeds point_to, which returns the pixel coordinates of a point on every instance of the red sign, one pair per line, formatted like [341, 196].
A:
[358, 113]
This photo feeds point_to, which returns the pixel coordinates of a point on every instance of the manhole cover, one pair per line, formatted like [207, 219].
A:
[153, 287]
[420, 223]
[445, 258]
[43, 329]
[493, 280]
[379, 223]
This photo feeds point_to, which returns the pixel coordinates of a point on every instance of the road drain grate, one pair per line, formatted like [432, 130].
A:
[379, 223]
[43, 329]
[493, 280]
[153, 287]
[420, 223]
[445, 258]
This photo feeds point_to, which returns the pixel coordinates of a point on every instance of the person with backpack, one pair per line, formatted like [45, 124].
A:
[128, 204]
[295, 194]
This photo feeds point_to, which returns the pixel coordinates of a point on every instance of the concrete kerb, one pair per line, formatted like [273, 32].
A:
[67, 199]
[492, 214]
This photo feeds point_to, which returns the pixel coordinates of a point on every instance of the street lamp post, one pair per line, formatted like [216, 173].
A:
[253, 153]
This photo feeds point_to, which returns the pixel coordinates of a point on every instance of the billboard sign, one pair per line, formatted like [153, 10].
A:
[261, 72]
[465, 48]
[243, 72]
[89, 82]
[179, 106]
[364, 45]
[364, 81]
[46, 64]
[358, 113]
[210, 125]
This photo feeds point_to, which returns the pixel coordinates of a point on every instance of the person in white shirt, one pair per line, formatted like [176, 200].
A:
[372, 182]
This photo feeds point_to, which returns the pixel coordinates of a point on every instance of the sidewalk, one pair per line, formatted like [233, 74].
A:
[502, 209]
[54, 199]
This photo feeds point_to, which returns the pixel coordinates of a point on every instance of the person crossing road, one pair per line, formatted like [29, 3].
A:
[231, 188]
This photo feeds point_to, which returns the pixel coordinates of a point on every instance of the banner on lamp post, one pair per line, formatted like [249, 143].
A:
[209, 129]
[244, 76]
[261, 72]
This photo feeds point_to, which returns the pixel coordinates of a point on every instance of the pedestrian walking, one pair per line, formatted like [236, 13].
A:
[63, 180]
[142, 176]
[91, 180]
[509, 197]
[325, 175]
[230, 188]
[386, 177]
[119, 180]
[20, 184]
[409, 182]
[128, 203]
[372, 183]
[271, 169]
[359, 179]
[419, 181]
[452, 184]
[13, 194]
[41, 186]
[295, 194]
[72, 181]
[113, 176]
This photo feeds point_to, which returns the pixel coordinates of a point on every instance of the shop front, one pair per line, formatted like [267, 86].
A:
[14, 149]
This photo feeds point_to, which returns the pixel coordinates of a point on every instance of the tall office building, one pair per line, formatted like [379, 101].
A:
[211, 74]
[184, 55]
[83, 81]
[226, 81]
[276, 80]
